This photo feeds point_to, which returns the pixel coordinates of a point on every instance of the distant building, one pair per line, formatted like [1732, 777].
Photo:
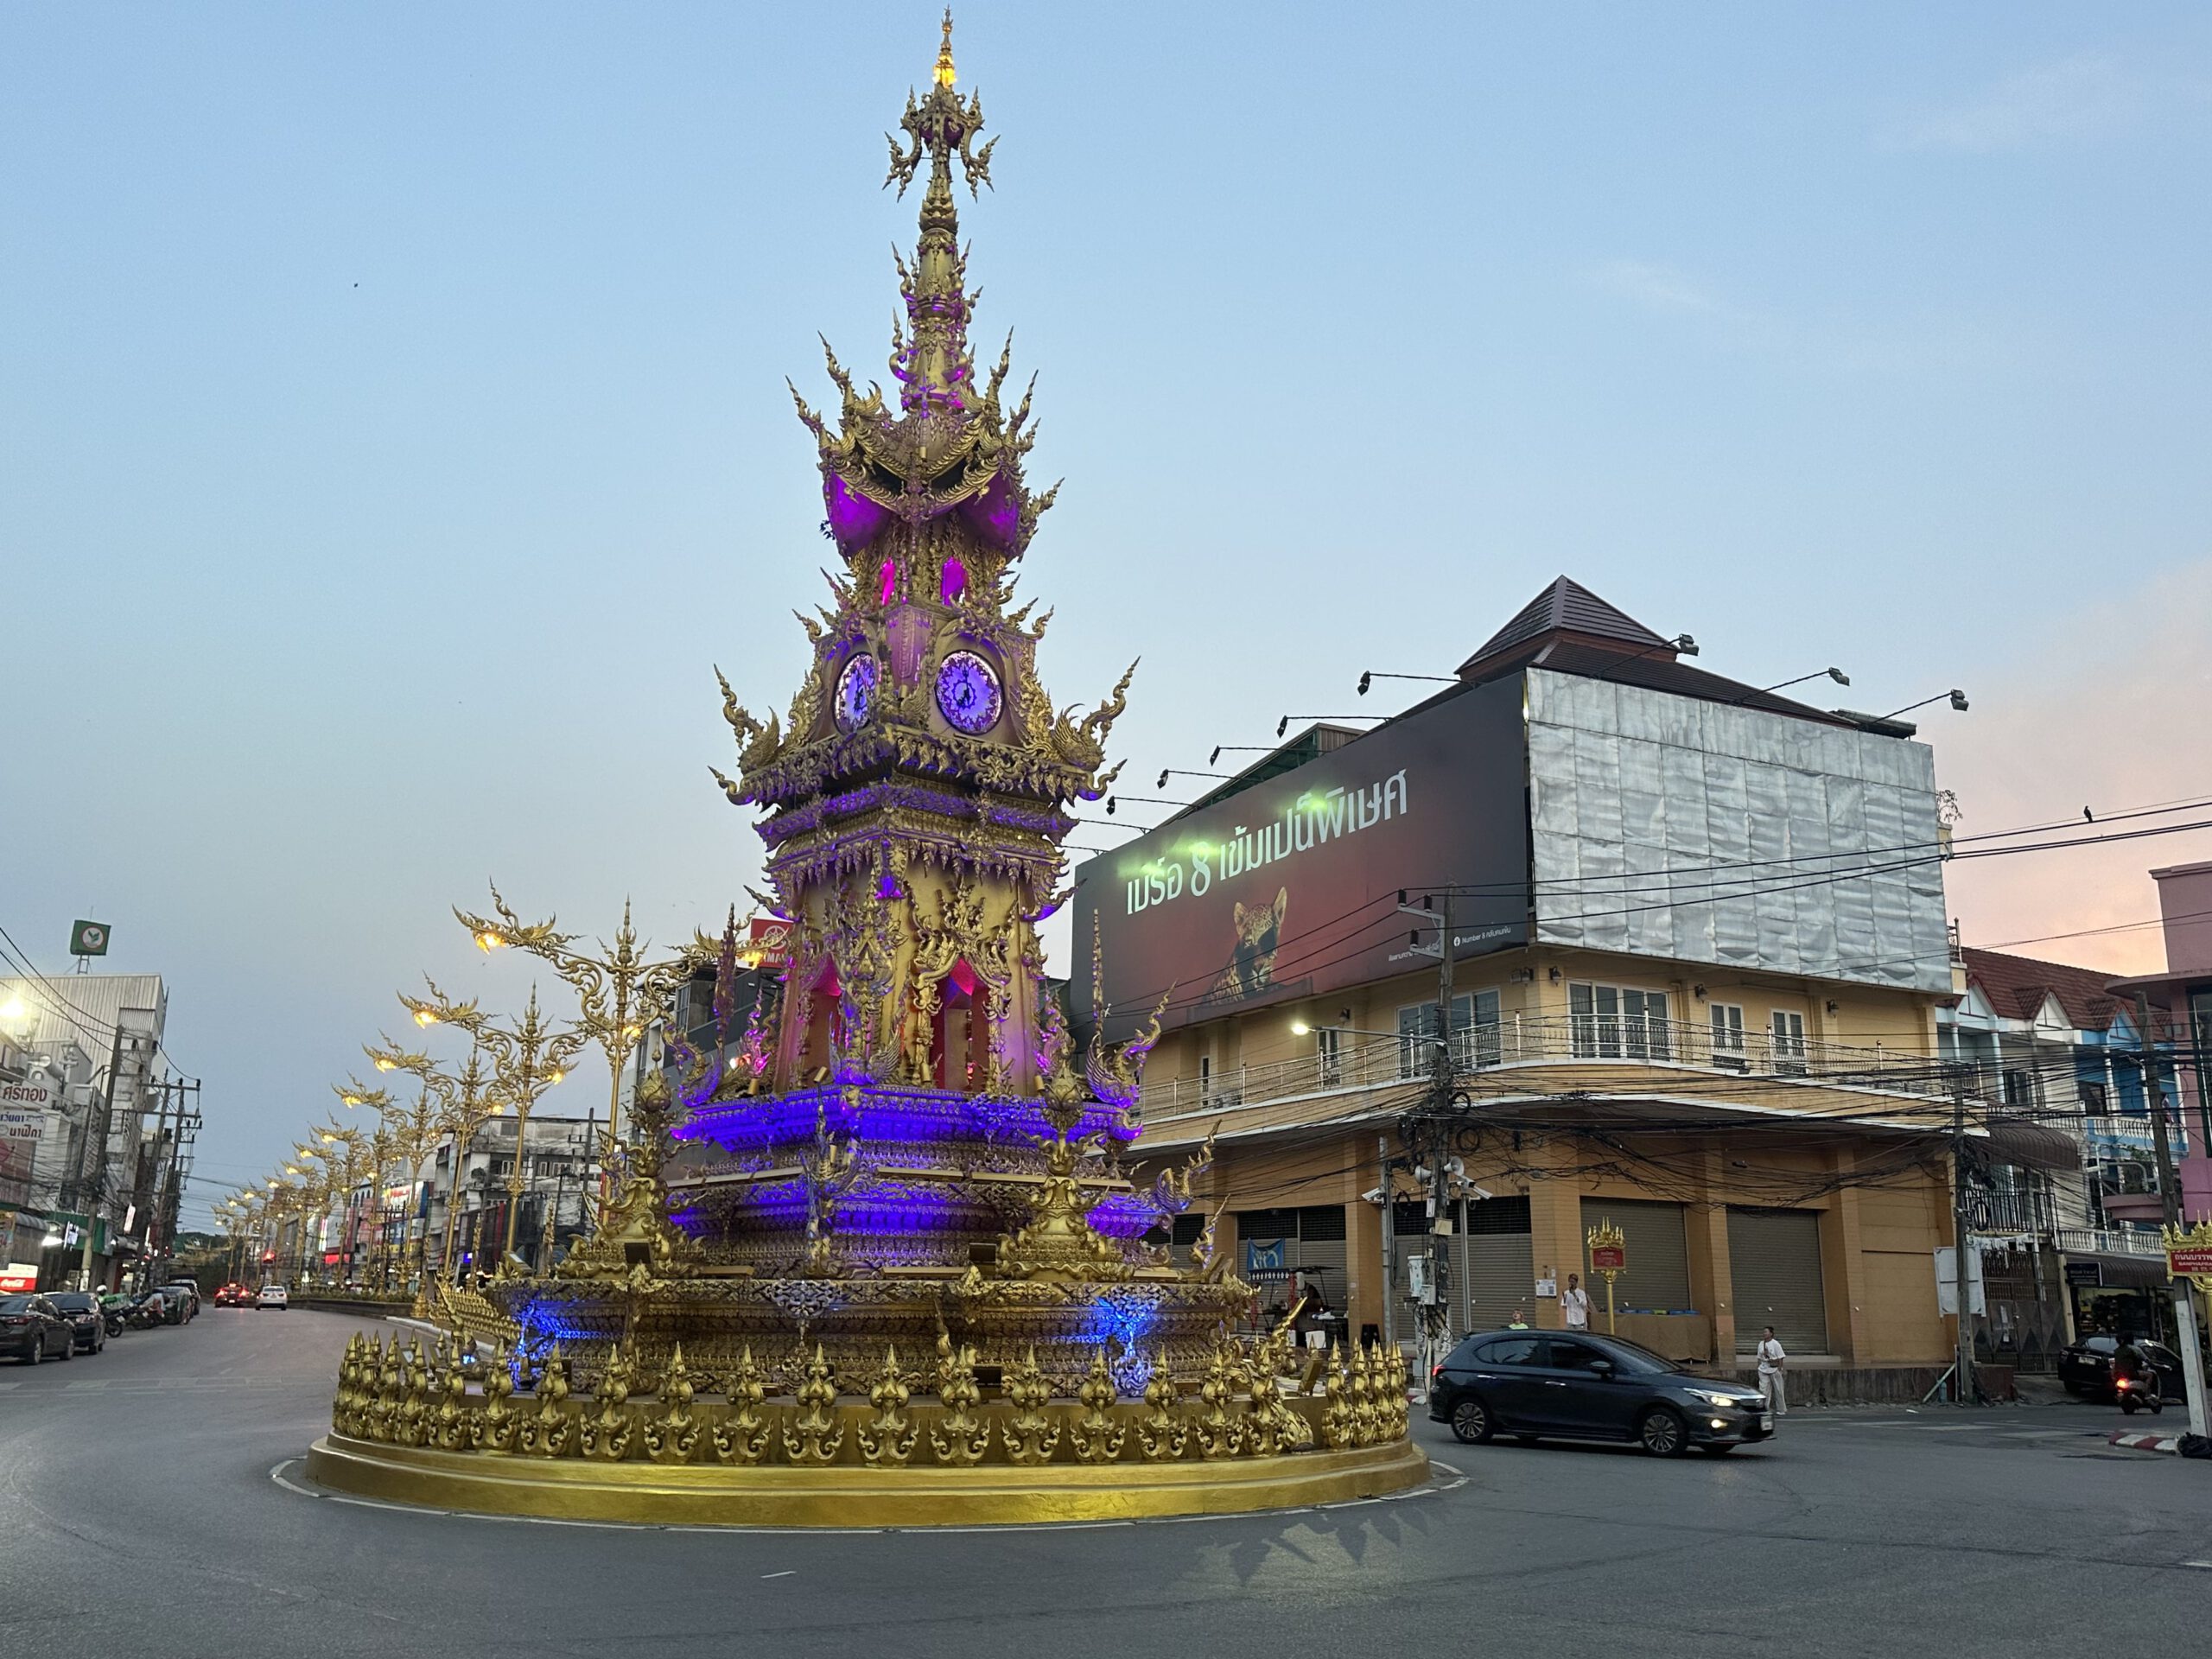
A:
[102, 1162]
[2063, 1194]
[2182, 999]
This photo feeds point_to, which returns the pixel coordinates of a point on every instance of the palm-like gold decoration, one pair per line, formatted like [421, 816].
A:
[620, 993]
[530, 1055]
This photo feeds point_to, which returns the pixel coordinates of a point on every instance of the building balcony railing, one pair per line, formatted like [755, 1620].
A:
[1610, 1040]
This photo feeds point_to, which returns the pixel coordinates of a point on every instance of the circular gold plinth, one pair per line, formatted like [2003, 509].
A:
[999, 1494]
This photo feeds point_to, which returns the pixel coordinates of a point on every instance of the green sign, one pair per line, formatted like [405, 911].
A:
[88, 939]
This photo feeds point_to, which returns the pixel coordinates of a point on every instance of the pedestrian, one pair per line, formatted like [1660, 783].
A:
[1771, 1360]
[1519, 1321]
[1575, 1304]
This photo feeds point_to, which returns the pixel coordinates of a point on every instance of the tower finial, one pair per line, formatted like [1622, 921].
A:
[944, 52]
[931, 360]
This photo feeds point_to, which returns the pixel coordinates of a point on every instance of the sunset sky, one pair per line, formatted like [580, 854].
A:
[395, 432]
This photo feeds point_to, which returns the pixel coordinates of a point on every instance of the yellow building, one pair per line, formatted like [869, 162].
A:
[1698, 950]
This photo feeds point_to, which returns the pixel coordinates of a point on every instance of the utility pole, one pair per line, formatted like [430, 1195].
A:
[1962, 1388]
[1431, 1141]
[2154, 1096]
[1389, 1243]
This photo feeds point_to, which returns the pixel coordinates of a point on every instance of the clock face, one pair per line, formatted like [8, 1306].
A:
[855, 692]
[968, 692]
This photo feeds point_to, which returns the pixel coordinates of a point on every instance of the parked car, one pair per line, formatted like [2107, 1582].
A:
[190, 1288]
[33, 1329]
[2095, 1367]
[1540, 1385]
[274, 1296]
[82, 1309]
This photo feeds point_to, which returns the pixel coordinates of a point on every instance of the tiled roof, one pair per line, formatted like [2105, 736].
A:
[1567, 606]
[2015, 986]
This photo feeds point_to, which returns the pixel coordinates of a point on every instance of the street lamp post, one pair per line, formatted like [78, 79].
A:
[529, 1057]
[619, 995]
[452, 1106]
[381, 1147]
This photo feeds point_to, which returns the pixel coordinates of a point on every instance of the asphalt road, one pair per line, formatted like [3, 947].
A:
[150, 1504]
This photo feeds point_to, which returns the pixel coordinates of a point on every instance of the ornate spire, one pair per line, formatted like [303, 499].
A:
[929, 357]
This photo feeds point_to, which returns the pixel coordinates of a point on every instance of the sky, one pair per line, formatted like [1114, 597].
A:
[393, 432]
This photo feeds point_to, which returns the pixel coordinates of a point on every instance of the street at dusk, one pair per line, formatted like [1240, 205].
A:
[1458, 888]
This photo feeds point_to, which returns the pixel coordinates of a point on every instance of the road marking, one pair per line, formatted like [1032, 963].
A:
[2203, 1564]
[789, 1571]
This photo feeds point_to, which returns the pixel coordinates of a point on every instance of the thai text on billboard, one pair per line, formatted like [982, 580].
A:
[1288, 888]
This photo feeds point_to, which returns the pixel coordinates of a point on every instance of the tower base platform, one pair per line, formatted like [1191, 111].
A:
[990, 1494]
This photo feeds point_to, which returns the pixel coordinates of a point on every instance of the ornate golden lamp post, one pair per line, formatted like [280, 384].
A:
[450, 1105]
[381, 1147]
[529, 1057]
[619, 995]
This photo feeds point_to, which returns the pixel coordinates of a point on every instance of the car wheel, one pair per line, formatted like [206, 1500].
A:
[69, 1348]
[1471, 1420]
[1663, 1433]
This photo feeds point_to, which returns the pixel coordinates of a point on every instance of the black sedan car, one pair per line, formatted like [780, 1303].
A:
[32, 1329]
[1545, 1385]
[82, 1309]
[2134, 1371]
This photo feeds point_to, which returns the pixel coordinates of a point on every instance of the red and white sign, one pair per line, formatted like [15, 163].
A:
[16, 1277]
[767, 942]
[1608, 1257]
[2187, 1259]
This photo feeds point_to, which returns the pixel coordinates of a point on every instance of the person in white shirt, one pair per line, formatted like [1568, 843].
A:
[1771, 1359]
[1574, 1304]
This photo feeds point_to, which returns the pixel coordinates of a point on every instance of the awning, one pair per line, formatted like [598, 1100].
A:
[2125, 1272]
[2026, 1144]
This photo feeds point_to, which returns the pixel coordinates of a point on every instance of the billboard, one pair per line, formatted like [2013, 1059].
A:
[1289, 888]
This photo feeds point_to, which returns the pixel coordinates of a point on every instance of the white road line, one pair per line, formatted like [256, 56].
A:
[2203, 1564]
[789, 1571]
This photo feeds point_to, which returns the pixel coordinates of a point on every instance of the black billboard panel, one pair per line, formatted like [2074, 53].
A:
[1289, 888]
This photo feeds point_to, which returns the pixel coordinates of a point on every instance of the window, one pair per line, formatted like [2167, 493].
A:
[1475, 1040]
[1728, 1035]
[1788, 1029]
[1568, 1355]
[1328, 1044]
[1508, 1351]
[1611, 1022]
[2019, 1088]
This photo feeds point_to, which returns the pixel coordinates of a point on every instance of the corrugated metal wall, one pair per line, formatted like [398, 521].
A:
[1658, 1276]
[1636, 795]
[1774, 1257]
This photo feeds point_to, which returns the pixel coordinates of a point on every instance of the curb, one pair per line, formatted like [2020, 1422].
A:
[2147, 1442]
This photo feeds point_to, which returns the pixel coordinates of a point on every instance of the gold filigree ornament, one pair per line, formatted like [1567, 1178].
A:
[1029, 1435]
[742, 1437]
[1094, 1434]
[888, 1438]
[1338, 1431]
[1220, 1428]
[1163, 1429]
[671, 1436]
[547, 1431]
[814, 1433]
[960, 1436]
[606, 1434]
[499, 1422]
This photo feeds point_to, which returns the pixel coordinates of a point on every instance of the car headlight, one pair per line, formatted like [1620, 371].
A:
[1725, 1401]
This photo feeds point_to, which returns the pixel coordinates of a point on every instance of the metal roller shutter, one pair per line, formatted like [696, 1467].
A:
[1774, 1256]
[1658, 1276]
[1494, 1266]
[1321, 1250]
